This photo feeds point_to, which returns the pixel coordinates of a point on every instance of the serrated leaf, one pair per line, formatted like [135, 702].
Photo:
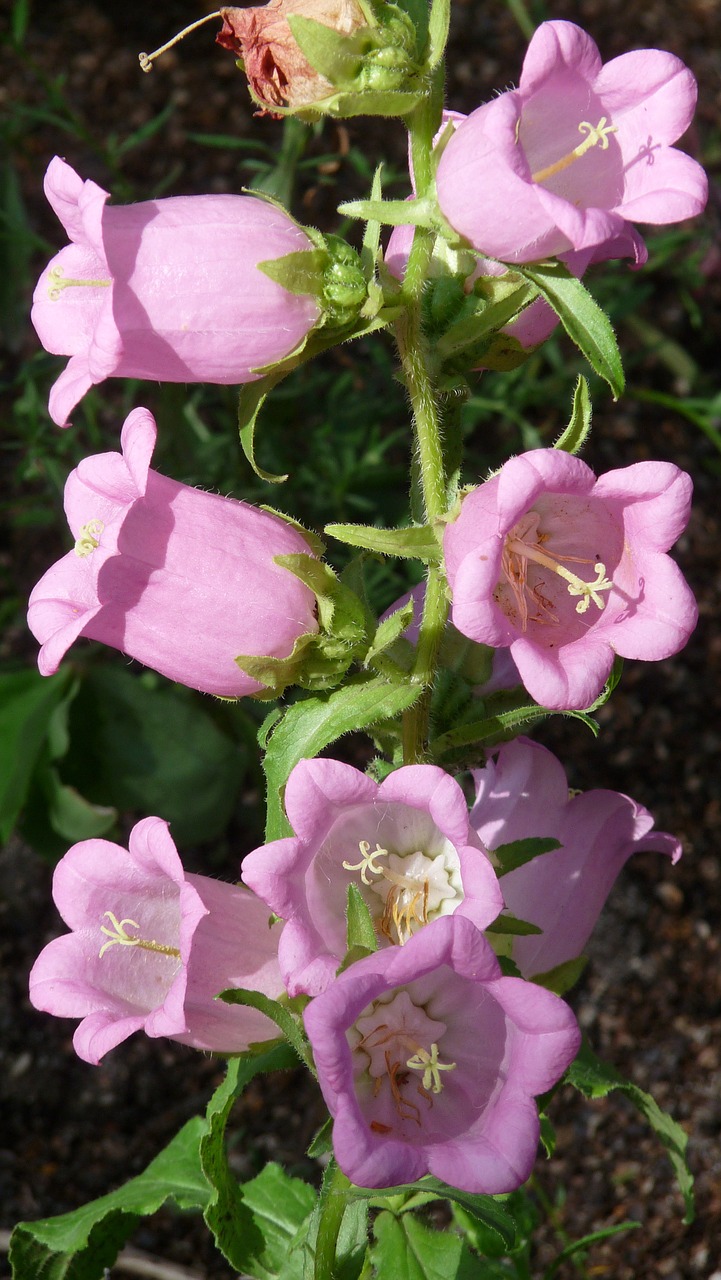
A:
[596, 1079]
[309, 726]
[406, 1249]
[27, 704]
[416, 542]
[236, 1234]
[280, 1204]
[488, 1210]
[576, 433]
[582, 318]
[79, 1245]
[517, 853]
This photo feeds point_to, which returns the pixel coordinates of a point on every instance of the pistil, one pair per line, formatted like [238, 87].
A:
[597, 136]
[118, 935]
[60, 282]
[89, 538]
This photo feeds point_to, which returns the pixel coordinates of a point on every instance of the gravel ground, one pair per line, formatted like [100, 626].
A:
[651, 997]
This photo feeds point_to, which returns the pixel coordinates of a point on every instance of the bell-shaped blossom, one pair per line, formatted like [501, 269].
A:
[167, 290]
[429, 1062]
[279, 74]
[575, 154]
[405, 843]
[568, 570]
[151, 948]
[524, 793]
[182, 580]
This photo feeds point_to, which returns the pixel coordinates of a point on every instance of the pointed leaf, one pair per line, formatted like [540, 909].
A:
[360, 931]
[27, 704]
[510, 856]
[582, 318]
[579, 427]
[391, 213]
[251, 399]
[415, 542]
[280, 1015]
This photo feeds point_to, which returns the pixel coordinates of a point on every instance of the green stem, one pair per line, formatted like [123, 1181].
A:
[333, 1203]
[413, 352]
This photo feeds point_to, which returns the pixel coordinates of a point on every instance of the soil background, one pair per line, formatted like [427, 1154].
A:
[651, 997]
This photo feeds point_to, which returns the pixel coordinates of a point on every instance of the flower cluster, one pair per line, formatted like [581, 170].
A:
[434, 1035]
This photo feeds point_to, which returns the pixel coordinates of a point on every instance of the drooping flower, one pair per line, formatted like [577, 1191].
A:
[429, 1062]
[568, 570]
[182, 580]
[523, 793]
[168, 290]
[151, 947]
[575, 154]
[405, 843]
[279, 75]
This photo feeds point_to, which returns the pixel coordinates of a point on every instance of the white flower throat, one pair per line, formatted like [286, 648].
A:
[524, 544]
[412, 886]
[389, 1033]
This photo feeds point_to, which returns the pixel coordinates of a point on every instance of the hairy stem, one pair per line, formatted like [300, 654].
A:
[333, 1203]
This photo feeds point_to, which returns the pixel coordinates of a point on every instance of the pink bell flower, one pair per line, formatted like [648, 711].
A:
[523, 793]
[575, 154]
[405, 843]
[429, 1062]
[568, 570]
[151, 947]
[168, 290]
[180, 579]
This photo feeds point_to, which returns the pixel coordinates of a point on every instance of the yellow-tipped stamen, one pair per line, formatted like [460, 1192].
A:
[588, 591]
[429, 1064]
[89, 538]
[60, 282]
[146, 59]
[598, 135]
[120, 936]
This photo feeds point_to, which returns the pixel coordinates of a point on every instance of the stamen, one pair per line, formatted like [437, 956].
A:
[146, 59]
[119, 934]
[588, 591]
[598, 135]
[89, 538]
[61, 282]
[429, 1064]
[367, 862]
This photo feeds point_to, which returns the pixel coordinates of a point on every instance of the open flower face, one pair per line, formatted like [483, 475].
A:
[575, 154]
[167, 290]
[429, 1061]
[151, 947]
[405, 844]
[182, 580]
[568, 570]
[524, 792]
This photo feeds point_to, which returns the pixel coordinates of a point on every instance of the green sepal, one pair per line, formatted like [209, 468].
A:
[251, 399]
[360, 930]
[301, 272]
[562, 977]
[372, 59]
[388, 632]
[336, 57]
[596, 1079]
[342, 615]
[496, 303]
[415, 542]
[315, 543]
[508, 924]
[289, 1026]
[582, 318]
[322, 1143]
[391, 213]
[438, 26]
[508, 857]
[578, 430]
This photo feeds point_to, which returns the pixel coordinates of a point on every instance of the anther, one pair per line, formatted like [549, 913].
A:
[146, 59]
[597, 135]
[589, 591]
[89, 538]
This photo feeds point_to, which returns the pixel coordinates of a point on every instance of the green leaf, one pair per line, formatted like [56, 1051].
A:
[79, 1245]
[595, 1079]
[507, 923]
[415, 542]
[582, 318]
[578, 1245]
[236, 1234]
[391, 213]
[140, 744]
[370, 252]
[280, 1205]
[406, 1249]
[574, 437]
[562, 977]
[518, 852]
[360, 930]
[488, 1210]
[27, 703]
[487, 318]
[251, 399]
[71, 815]
[388, 632]
[309, 726]
[438, 25]
[279, 1014]
[336, 57]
